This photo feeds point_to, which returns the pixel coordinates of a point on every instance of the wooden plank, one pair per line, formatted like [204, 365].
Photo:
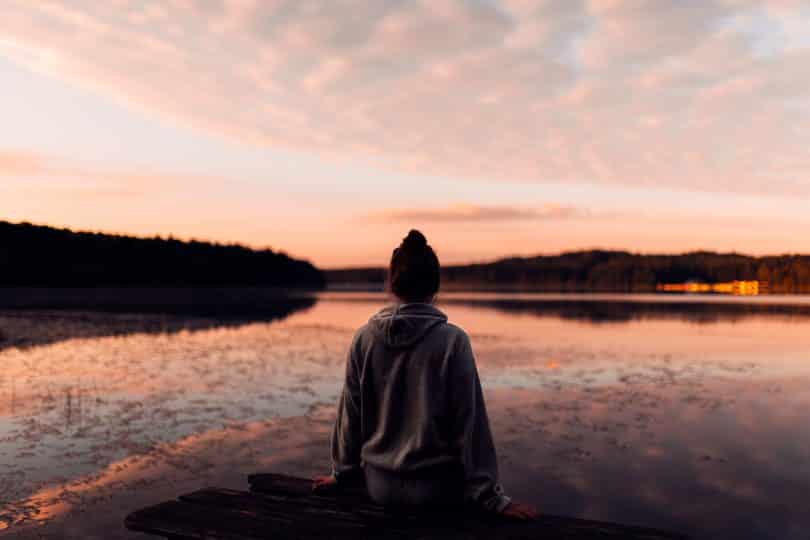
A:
[262, 505]
[177, 520]
[184, 520]
[291, 488]
[281, 484]
[282, 507]
[557, 526]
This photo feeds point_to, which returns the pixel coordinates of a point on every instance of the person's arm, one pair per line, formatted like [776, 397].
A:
[471, 432]
[473, 437]
[346, 435]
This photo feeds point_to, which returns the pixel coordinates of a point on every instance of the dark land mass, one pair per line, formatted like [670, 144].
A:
[56, 284]
[603, 271]
[37, 256]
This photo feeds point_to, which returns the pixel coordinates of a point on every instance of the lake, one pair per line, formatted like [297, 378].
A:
[685, 413]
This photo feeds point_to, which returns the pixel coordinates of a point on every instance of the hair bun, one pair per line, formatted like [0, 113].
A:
[415, 239]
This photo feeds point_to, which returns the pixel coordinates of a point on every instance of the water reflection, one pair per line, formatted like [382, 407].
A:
[27, 327]
[618, 311]
[618, 308]
[718, 463]
[655, 421]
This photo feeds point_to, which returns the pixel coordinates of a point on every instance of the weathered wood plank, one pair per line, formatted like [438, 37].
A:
[184, 521]
[269, 506]
[283, 507]
[558, 527]
[245, 516]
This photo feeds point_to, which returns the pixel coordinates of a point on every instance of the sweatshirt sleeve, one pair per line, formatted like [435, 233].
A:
[346, 434]
[471, 431]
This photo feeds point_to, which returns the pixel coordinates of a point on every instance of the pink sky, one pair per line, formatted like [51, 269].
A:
[327, 129]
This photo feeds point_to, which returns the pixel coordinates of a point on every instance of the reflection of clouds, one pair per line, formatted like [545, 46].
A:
[72, 407]
[223, 456]
[631, 455]
[659, 460]
[657, 421]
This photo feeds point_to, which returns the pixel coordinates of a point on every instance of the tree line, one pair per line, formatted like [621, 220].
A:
[608, 271]
[39, 256]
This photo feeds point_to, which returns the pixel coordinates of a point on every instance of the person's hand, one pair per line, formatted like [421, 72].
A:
[516, 510]
[324, 484]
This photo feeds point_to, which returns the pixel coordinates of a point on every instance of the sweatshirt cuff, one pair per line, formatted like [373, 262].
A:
[495, 500]
[503, 502]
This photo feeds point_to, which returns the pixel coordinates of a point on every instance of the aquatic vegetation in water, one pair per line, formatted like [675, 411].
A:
[654, 421]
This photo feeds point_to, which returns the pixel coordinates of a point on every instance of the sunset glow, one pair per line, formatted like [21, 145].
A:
[327, 129]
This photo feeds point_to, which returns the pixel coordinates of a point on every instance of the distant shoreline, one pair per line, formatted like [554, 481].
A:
[600, 271]
[510, 288]
[40, 256]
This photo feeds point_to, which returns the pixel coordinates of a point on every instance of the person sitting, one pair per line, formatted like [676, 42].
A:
[411, 418]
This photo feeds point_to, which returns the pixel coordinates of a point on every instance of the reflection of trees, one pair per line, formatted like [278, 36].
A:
[601, 311]
[154, 311]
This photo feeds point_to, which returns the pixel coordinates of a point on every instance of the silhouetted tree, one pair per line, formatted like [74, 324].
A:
[33, 255]
[610, 271]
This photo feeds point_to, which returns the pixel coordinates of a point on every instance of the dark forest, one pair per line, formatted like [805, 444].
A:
[38, 256]
[607, 271]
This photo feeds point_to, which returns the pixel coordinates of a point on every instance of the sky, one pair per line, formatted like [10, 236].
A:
[327, 129]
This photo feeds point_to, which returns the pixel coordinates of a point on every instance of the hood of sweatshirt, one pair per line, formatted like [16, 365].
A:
[404, 325]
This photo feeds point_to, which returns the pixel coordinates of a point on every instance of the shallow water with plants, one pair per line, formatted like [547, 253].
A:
[685, 413]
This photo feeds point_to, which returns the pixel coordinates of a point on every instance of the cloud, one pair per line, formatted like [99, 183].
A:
[14, 163]
[472, 212]
[47, 174]
[706, 95]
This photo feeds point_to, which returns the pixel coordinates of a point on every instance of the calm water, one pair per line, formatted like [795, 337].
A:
[679, 413]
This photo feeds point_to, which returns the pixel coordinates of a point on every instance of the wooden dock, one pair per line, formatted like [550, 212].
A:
[284, 507]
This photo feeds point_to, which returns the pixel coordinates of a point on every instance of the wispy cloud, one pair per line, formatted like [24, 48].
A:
[46, 174]
[704, 95]
[17, 163]
[472, 212]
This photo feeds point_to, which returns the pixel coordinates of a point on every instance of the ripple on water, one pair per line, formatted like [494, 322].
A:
[589, 420]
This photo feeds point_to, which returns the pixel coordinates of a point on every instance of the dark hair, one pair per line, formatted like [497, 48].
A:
[414, 270]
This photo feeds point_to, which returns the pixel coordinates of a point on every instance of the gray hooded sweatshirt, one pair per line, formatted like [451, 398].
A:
[412, 399]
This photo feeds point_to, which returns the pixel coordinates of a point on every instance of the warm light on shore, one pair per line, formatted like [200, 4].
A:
[739, 288]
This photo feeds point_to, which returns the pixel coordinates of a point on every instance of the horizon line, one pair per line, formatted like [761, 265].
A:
[308, 258]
